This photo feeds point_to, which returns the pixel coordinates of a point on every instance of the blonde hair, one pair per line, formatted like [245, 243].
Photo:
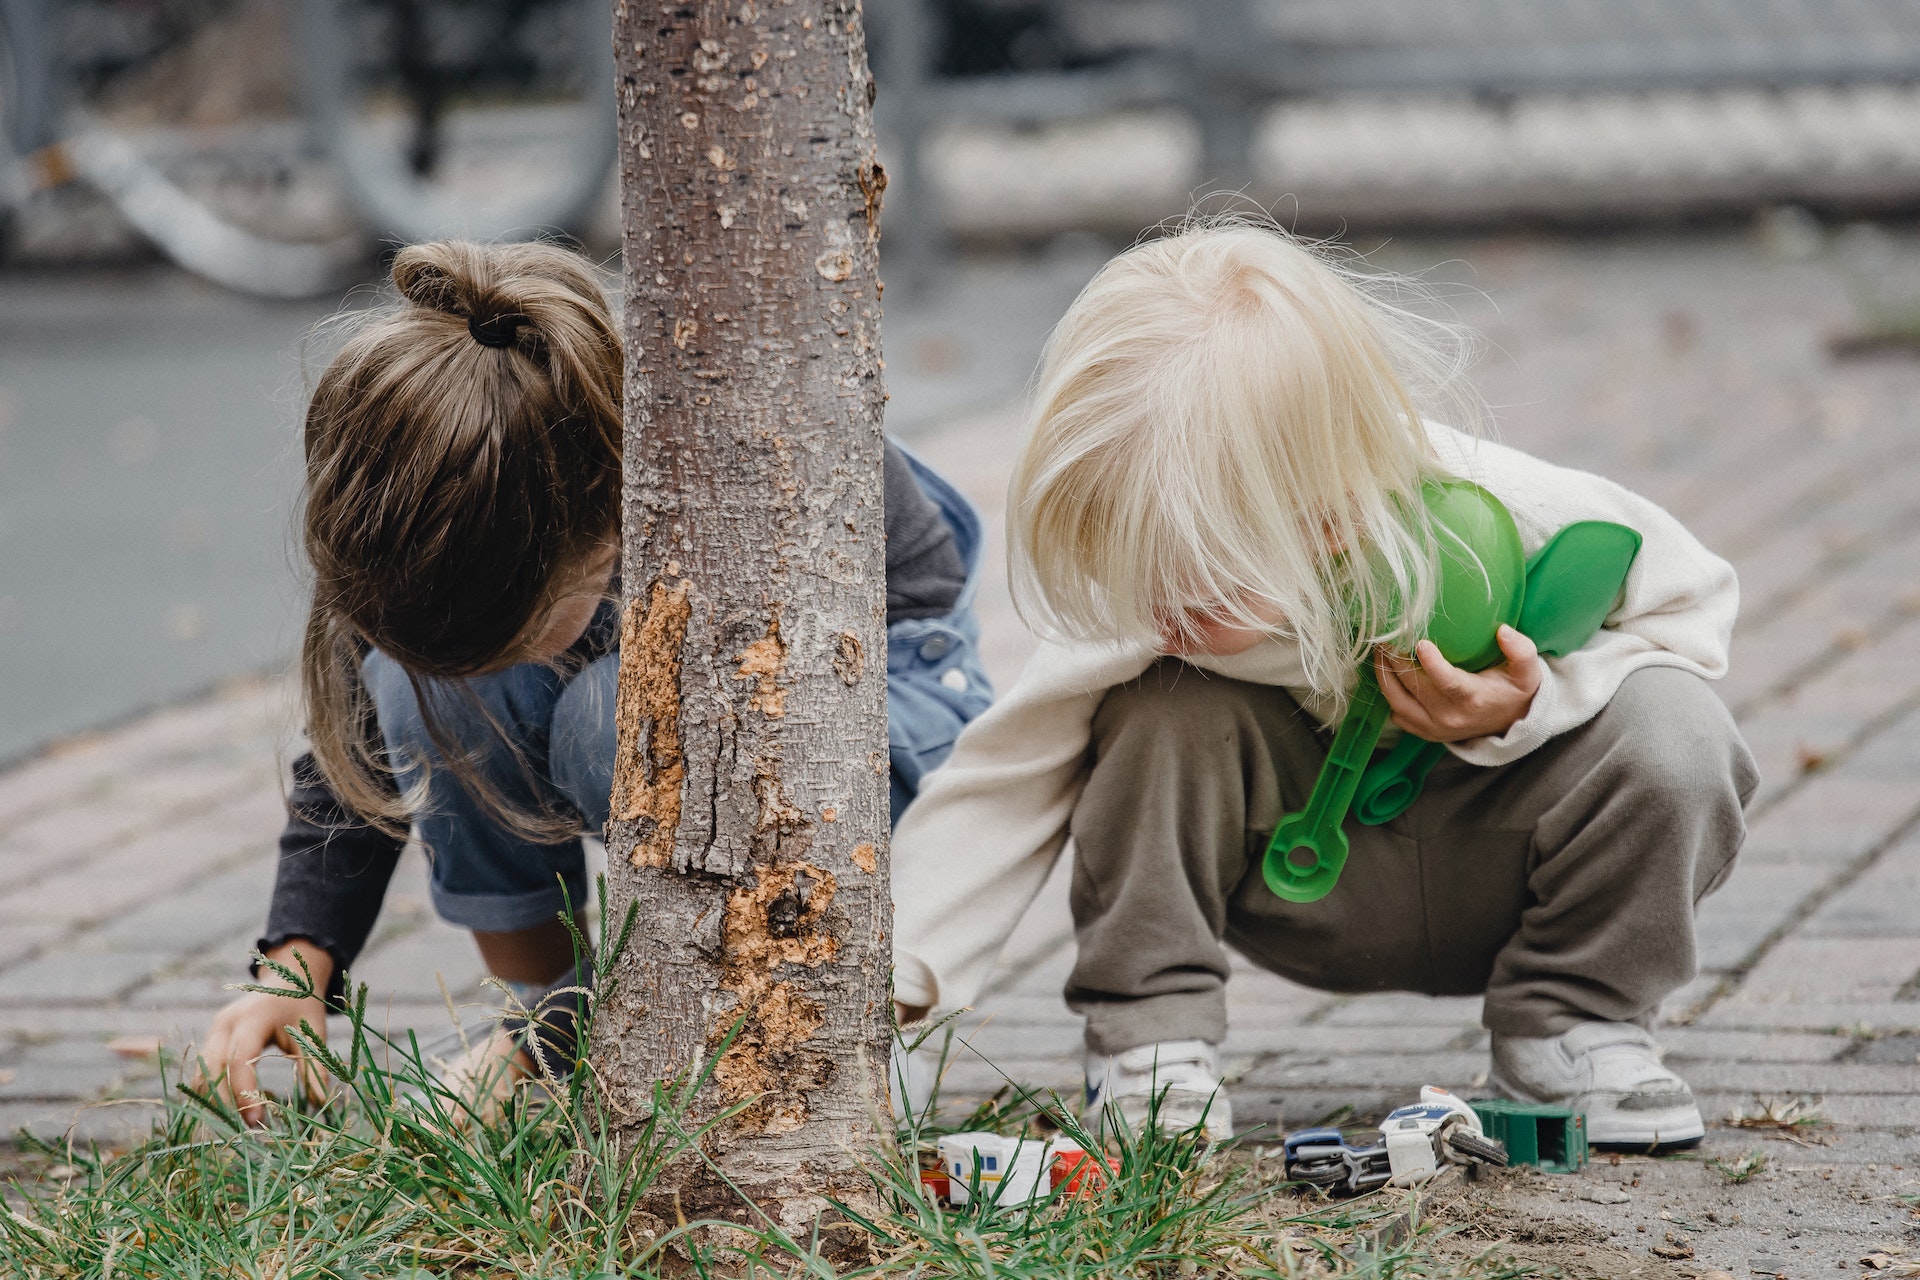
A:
[1219, 417]
[462, 468]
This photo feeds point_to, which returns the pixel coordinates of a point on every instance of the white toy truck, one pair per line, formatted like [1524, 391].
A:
[1438, 1130]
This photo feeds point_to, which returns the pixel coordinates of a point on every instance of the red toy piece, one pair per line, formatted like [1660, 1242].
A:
[1075, 1172]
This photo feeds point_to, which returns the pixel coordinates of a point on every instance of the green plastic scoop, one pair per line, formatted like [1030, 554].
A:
[1572, 583]
[1482, 580]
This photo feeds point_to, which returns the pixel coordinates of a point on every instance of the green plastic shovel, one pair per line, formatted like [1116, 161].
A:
[1572, 584]
[1482, 583]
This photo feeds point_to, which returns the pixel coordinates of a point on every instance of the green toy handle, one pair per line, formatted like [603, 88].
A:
[1393, 782]
[1308, 849]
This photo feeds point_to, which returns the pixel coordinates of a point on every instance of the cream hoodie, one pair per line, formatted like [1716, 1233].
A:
[973, 850]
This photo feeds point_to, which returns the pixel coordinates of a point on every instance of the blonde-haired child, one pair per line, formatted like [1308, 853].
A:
[1212, 520]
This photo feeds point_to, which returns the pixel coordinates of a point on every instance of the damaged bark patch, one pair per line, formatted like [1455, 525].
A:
[765, 661]
[649, 768]
[776, 921]
[863, 858]
[849, 658]
[873, 185]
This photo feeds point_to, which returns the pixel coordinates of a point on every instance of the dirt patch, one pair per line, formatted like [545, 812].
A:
[1680, 1216]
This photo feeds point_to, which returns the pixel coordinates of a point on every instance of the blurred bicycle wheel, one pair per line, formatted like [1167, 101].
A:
[181, 114]
[491, 119]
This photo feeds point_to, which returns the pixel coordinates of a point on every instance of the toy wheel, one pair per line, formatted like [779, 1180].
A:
[1476, 1147]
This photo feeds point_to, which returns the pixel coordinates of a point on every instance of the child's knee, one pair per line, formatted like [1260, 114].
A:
[1672, 740]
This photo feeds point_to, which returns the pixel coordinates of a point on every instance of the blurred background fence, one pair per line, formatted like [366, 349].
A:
[271, 144]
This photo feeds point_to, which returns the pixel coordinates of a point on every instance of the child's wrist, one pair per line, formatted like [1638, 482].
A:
[291, 953]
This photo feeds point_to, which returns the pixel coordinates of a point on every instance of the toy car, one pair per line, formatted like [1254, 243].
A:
[1008, 1172]
[1416, 1141]
[1324, 1158]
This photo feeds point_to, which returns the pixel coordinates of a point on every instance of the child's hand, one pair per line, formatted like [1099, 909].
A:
[258, 1021]
[1441, 703]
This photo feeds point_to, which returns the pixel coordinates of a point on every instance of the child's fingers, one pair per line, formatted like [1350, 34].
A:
[240, 1084]
[1408, 713]
[1523, 656]
[1446, 678]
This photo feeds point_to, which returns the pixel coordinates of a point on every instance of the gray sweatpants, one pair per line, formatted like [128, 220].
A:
[1562, 886]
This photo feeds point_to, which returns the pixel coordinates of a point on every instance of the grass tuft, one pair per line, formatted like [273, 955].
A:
[1795, 1119]
[1741, 1168]
[392, 1173]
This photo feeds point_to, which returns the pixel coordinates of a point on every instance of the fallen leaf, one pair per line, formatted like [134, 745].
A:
[135, 1046]
[1809, 758]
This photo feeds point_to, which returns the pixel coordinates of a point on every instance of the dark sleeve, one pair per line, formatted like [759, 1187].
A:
[332, 877]
[924, 571]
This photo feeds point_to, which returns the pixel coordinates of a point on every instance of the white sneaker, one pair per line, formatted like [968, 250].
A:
[1174, 1085]
[1609, 1070]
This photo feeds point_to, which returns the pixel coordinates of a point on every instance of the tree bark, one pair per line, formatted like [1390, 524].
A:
[750, 791]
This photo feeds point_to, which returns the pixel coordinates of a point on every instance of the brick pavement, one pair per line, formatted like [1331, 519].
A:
[134, 864]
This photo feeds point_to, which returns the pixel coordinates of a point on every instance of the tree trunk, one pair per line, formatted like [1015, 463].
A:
[750, 791]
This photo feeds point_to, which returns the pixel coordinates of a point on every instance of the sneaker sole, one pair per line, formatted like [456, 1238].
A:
[1674, 1129]
[1679, 1133]
[1647, 1132]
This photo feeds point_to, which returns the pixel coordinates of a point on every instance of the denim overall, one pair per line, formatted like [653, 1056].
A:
[561, 724]
[935, 683]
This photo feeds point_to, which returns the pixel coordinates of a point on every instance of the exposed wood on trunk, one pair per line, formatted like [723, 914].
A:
[750, 793]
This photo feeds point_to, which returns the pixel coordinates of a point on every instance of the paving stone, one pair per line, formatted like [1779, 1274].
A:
[1828, 1079]
[187, 992]
[57, 841]
[1396, 1008]
[1880, 902]
[1323, 1039]
[38, 786]
[1731, 926]
[20, 940]
[1686, 1004]
[1843, 970]
[1822, 1015]
[185, 920]
[69, 1068]
[68, 974]
[1026, 1006]
[1453, 1069]
[119, 1123]
[1889, 1051]
[998, 1041]
[1278, 1109]
[1831, 821]
[1689, 1044]
[125, 874]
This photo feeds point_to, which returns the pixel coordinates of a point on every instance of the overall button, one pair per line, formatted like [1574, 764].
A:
[955, 679]
[933, 648]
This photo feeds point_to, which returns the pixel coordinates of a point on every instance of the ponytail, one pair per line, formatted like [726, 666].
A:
[462, 470]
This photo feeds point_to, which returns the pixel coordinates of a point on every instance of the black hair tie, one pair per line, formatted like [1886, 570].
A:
[499, 331]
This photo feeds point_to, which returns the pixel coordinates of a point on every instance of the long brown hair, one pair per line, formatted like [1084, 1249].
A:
[463, 466]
